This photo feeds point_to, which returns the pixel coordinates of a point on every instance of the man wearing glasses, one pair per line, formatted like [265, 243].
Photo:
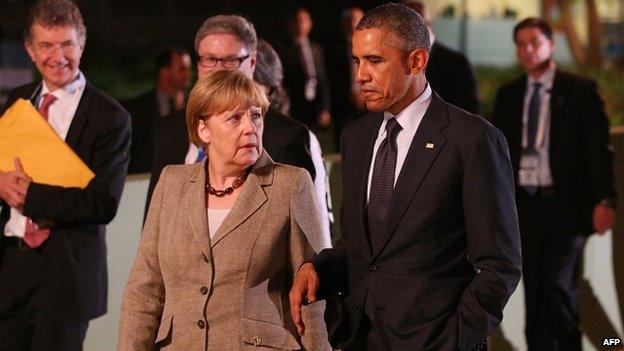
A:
[228, 42]
[53, 276]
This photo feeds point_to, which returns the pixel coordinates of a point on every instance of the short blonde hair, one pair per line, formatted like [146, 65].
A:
[221, 91]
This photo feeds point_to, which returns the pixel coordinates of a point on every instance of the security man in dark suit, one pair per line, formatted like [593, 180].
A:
[558, 137]
[53, 276]
[173, 67]
[430, 247]
[305, 75]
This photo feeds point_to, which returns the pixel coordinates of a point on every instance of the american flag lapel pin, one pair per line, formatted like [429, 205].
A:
[429, 146]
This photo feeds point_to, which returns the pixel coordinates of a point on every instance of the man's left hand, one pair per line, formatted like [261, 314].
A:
[604, 218]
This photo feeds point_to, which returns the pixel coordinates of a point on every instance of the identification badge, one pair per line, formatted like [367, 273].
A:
[310, 89]
[528, 174]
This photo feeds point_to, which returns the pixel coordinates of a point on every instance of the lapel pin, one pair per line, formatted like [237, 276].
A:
[429, 146]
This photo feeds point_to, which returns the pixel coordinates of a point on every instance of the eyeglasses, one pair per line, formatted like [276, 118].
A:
[209, 61]
[48, 48]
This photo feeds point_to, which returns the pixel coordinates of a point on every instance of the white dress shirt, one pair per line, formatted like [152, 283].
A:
[409, 119]
[542, 139]
[321, 187]
[60, 116]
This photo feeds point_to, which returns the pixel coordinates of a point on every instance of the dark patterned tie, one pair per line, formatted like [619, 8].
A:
[382, 182]
[533, 116]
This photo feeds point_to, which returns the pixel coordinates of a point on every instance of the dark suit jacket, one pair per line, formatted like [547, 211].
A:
[75, 253]
[451, 76]
[144, 113]
[581, 158]
[285, 140]
[294, 82]
[450, 255]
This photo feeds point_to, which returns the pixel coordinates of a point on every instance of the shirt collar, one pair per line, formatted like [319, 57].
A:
[78, 83]
[410, 116]
[545, 79]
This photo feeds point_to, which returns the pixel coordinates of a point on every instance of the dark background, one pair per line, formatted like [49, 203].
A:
[124, 35]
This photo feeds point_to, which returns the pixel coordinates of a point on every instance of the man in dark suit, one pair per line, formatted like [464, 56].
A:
[228, 42]
[305, 76]
[449, 72]
[173, 67]
[430, 251]
[558, 137]
[53, 276]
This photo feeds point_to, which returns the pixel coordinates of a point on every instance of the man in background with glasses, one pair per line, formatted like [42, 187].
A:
[228, 42]
[53, 276]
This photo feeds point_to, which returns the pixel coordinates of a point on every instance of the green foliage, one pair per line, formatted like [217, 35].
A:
[123, 79]
[489, 80]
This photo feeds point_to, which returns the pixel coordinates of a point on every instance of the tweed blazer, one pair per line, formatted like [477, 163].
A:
[187, 291]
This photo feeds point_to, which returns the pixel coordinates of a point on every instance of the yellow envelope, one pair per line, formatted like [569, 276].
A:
[24, 133]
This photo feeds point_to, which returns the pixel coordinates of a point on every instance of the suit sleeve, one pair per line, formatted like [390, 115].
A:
[493, 241]
[599, 149]
[499, 107]
[306, 238]
[144, 296]
[331, 263]
[97, 203]
[468, 98]
[297, 152]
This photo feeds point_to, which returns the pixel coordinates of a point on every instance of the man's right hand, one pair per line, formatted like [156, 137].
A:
[303, 291]
[14, 185]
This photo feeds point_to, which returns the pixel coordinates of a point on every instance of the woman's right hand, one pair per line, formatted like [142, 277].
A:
[303, 291]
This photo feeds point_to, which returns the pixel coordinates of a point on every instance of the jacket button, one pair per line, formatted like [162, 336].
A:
[203, 290]
[201, 324]
[256, 340]
[205, 258]
[373, 268]
[358, 310]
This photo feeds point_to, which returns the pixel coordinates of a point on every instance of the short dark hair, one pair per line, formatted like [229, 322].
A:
[165, 56]
[535, 22]
[407, 25]
[292, 14]
[56, 13]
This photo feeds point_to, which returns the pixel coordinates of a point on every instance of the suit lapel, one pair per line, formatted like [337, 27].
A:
[194, 203]
[416, 166]
[181, 148]
[514, 111]
[557, 100]
[364, 160]
[80, 119]
[251, 198]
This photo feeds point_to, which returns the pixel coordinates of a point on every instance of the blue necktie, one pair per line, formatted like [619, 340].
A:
[201, 154]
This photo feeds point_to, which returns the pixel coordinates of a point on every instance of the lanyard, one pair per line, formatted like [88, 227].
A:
[544, 121]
